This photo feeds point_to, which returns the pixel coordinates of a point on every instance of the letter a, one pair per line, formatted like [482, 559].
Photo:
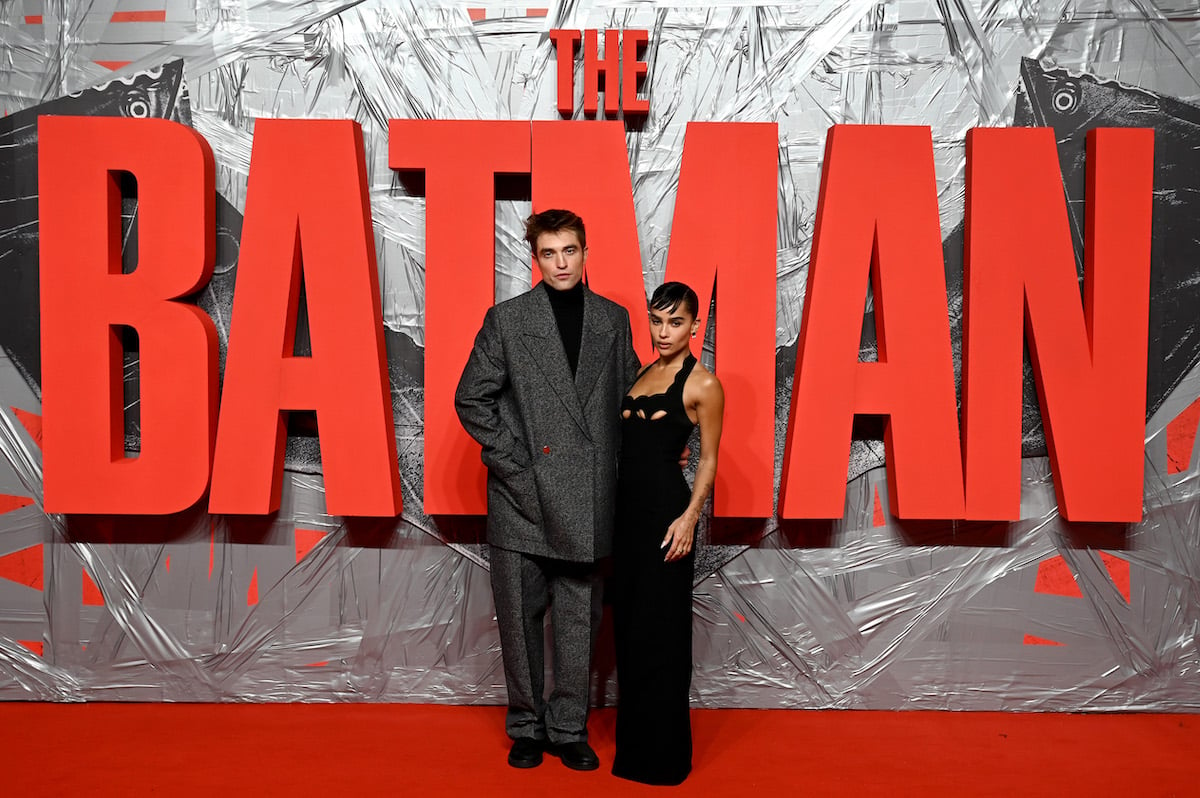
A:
[307, 209]
[877, 214]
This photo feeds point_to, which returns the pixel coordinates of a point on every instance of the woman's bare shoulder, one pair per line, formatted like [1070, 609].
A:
[703, 383]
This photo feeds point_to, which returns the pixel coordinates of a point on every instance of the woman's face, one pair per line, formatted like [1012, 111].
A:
[671, 329]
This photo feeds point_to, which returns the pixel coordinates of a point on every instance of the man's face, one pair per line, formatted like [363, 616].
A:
[560, 257]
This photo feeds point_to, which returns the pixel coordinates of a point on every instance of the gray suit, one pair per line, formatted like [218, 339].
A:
[550, 444]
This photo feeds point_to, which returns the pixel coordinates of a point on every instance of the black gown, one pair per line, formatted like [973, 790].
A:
[652, 601]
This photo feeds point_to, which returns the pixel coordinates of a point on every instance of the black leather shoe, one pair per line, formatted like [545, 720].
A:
[576, 756]
[526, 752]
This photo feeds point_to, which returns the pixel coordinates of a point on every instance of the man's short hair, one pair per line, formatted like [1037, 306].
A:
[554, 220]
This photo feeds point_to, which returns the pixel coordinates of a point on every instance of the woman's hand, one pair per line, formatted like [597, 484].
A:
[680, 535]
[684, 456]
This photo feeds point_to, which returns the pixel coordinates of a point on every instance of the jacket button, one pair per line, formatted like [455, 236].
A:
[545, 450]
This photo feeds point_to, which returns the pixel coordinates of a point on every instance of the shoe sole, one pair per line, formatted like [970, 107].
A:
[576, 765]
[524, 763]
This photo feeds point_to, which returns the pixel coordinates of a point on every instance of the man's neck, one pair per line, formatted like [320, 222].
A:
[567, 308]
[572, 294]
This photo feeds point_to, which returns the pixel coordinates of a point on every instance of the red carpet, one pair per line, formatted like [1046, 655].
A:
[417, 750]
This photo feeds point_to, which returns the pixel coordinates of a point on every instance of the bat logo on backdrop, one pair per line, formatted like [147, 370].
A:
[877, 223]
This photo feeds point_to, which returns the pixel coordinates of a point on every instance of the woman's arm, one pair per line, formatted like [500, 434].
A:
[710, 409]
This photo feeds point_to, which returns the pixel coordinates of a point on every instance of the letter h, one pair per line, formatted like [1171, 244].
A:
[594, 68]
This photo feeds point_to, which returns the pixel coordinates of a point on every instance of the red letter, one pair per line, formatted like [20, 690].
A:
[724, 229]
[877, 214]
[1089, 358]
[460, 160]
[565, 44]
[85, 299]
[631, 70]
[738, 163]
[594, 66]
[597, 187]
[307, 210]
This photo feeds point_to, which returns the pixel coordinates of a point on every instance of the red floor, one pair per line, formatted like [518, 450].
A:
[417, 750]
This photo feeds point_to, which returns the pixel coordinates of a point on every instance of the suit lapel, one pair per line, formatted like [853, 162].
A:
[595, 348]
[544, 344]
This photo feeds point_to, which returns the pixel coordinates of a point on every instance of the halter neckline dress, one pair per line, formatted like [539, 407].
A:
[652, 599]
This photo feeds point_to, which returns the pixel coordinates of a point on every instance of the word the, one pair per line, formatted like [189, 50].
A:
[620, 64]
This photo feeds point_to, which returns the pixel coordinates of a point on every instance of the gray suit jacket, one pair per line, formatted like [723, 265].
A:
[550, 443]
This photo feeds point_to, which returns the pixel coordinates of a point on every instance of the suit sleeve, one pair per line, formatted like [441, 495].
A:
[484, 380]
[632, 364]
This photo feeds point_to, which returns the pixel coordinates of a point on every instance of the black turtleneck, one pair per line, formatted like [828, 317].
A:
[568, 313]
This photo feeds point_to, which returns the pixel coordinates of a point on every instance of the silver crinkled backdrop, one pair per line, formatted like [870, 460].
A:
[868, 612]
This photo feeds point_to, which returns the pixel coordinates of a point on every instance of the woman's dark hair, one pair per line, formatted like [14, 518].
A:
[555, 220]
[669, 296]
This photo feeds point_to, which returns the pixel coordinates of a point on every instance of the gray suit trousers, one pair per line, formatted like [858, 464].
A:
[524, 586]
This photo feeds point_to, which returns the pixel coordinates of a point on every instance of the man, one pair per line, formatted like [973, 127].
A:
[541, 392]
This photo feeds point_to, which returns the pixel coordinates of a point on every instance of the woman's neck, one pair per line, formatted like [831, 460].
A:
[674, 360]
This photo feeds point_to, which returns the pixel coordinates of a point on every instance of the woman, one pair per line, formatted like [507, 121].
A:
[653, 556]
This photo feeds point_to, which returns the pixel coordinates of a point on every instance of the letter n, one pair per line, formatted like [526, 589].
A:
[307, 211]
[877, 215]
[1089, 356]
[86, 300]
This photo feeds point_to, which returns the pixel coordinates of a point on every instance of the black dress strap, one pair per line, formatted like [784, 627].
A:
[675, 386]
[642, 373]
[684, 370]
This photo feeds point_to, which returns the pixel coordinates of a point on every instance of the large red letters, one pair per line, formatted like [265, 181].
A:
[732, 242]
[460, 279]
[85, 300]
[877, 215]
[598, 188]
[1089, 358]
[877, 219]
[327, 234]
[735, 237]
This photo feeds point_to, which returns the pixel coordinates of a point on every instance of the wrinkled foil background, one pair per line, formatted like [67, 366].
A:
[867, 612]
